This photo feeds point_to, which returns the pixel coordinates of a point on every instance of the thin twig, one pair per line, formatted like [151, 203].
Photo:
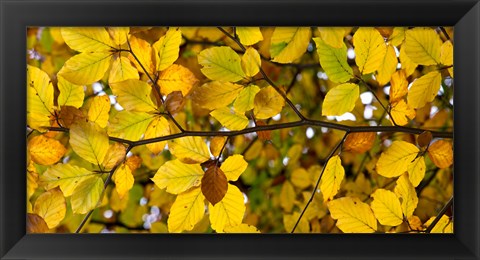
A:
[318, 180]
[439, 216]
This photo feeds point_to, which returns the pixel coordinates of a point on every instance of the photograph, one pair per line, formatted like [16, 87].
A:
[240, 129]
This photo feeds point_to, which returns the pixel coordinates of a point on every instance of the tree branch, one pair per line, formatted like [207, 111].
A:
[440, 214]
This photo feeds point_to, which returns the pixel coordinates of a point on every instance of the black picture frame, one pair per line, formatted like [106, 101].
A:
[16, 15]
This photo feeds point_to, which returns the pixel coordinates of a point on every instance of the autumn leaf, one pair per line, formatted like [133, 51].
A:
[167, 48]
[340, 99]
[129, 125]
[242, 228]
[287, 196]
[387, 208]
[332, 36]
[89, 141]
[123, 179]
[402, 113]
[406, 191]
[70, 94]
[300, 178]
[142, 55]
[395, 160]
[187, 210]
[133, 95]
[398, 86]
[176, 78]
[249, 35]
[119, 35]
[334, 61]
[86, 195]
[86, 68]
[441, 153]
[191, 149]
[230, 119]
[234, 166]
[51, 206]
[352, 215]
[122, 69]
[115, 154]
[416, 171]
[251, 62]
[359, 142]
[221, 63]
[44, 150]
[36, 224]
[65, 176]
[289, 43]
[245, 99]
[387, 67]
[87, 39]
[370, 49]
[267, 103]
[99, 110]
[157, 128]
[216, 94]
[424, 89]
[178, 177]
[214, 184]
[229, 211]
[422, 45]
[332, 178]
[40, 101]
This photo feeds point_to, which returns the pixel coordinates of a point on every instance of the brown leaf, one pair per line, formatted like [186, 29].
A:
[263, 135]
[69, 115]
[134, 162]
[424, 138]
[36, 224]
[359, 142]
[175, 102]
[214, 185]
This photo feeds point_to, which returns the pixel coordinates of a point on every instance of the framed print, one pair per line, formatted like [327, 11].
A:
[230, 130]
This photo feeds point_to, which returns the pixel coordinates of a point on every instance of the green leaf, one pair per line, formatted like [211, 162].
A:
[221, 63]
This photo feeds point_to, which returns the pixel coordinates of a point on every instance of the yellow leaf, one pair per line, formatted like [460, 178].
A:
[246, 98]
[399, 86]
[332, 36]
[242, 228]
[251, 62]
[39, 98]
[35, 224]
[221, 63]
[387, 67]
[340, 99]
[123, 179]
[129, 125]
[416, 171]
[167, 48]
[118, 34]
[402, 113]
[300, 178]
[422, 45]
[397, 36]
[51, 206]
[406, 191]
[157, 128]
[234, 166]
[444, 225]
[216, 94]
[370, 49]
[89, 141]
[115, 154]
[267, 103]
[143, 52]
[334, 61]
[446, 55]
[249, 35]
[395, 160]
[441, 153]
[332, 178]
[86, 195]
[99, 110]
[176, 78]
[424, 89]
[178, 177]
[352, 215]
[190, 149]
[359, 142]
[230, 119]
[187, 210]
[87, 39]
[86, 68]
[407, 64]
[287, 196]
[216, 145]
[289, 43]
[70, 94]
[44, 150]
[387, 208]
[133, 95]
[122, 70]
[290, 220]
[229, 211]
[66, 176]
[32, 179]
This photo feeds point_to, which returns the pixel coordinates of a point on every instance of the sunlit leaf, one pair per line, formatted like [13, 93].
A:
[289, 43]
[157, 128]
[99, 110]
[176, 78]
[406, 191]
[267, 103]
[89, 141]
[40, 98]
[123, 179]
[251, 62]
[407, 64]
[216, 145]
[352, 215]
[118, 34]
[229, 211]
[332, 178]
[370, 49]
[340, 99]
[142, 55]
[86, 68]
[402, 113]
[230, 119]
[187, 210]
[216, 94]
[70, 94]
[86, 195]
[51, 206]
[234, 166]
[422, 45]
[441, 153]
[416, 171]
[395, 160]
[359, 142]
[36, 224]
[332, 36]
[44, 150]
[334, 61]
[87, 39]
[178, 177]
[190, 149]
[387, 208]
[167, 48]
[444, 225]
[66, 176]
[221, 63]
[133, 95]
[398, 86]
[387, 67]
[214, 184]
[424, 89]
[246, 98]
[397, 36]
[242, 228]
[121, 70]
[129, 125]
[115, 154]
[249, 35]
